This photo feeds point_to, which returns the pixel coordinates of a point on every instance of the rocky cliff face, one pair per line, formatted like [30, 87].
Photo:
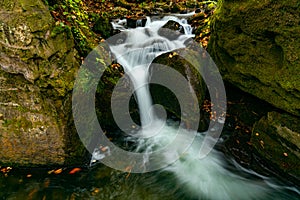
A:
[257, 47]
[37, 70]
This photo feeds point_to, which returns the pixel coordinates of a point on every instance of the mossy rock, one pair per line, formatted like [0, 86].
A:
[165, 97]
[103, 27]
[256, 46]
[38, 65]
[276, 138]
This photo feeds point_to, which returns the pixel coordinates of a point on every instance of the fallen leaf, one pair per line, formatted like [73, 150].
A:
[75, 170]
[58, 171]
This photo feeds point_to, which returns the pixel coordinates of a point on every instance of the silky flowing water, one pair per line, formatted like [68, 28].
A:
[212, 177]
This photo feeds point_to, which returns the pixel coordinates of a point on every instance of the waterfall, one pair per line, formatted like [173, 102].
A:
[206, 178]
[137, 51]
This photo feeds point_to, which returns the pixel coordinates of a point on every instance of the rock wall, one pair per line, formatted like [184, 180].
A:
[37, 70]
[257, 47]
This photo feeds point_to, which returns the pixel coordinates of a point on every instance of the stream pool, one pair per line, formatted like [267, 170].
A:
[101, 182]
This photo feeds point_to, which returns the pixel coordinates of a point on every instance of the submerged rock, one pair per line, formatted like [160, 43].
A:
[37, 71]
[276, 138]
[256, 45]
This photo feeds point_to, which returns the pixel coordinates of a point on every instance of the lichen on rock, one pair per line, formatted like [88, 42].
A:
[37, 72]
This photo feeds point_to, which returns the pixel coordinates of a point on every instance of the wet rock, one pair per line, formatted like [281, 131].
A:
[166, 98]
[133, 22]
[276, 138]
[198, 10]
[256, 46]
[37, 71]
[171, 30]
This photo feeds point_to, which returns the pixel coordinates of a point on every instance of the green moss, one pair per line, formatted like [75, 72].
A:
[103, 26]
[256, 46]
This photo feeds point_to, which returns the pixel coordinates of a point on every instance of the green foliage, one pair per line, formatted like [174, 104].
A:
[71, 16]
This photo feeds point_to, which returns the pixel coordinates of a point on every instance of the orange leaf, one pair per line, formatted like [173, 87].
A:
[75, 170]
[58, 171]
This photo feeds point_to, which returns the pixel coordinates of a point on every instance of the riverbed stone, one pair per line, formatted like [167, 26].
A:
[276, 138]
[256, 46]
[38, 63]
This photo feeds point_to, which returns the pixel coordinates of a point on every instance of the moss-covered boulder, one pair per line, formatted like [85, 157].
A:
[37, 70]
[276, 138]
[165, 97]
[256, 45]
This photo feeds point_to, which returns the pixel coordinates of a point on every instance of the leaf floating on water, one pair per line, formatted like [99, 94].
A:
[75, 170]
[58, 171]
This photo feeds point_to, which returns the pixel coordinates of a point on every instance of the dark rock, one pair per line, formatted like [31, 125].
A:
[198, 10]
[276, 138]
[171, 30]
[165, 97]
[184, 12]
[133, 22]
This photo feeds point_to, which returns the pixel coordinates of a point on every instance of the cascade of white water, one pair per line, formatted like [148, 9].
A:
[206, 178]
[141, 46]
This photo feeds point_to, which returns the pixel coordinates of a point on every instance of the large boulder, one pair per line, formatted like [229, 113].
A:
[256, 45]
[276, 137]
[37, 71]
[164, 96]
